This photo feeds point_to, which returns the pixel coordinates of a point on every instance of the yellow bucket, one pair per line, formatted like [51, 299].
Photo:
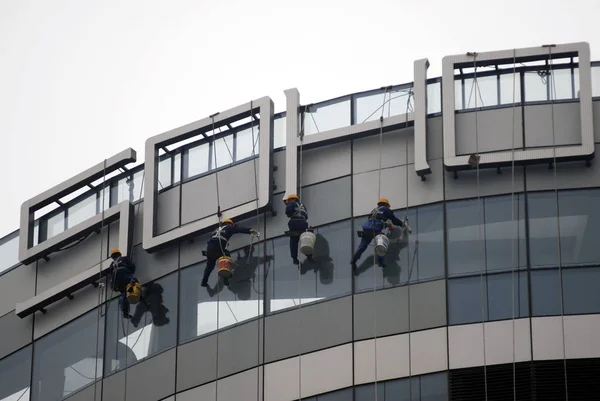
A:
[134, 292]
[224, 265]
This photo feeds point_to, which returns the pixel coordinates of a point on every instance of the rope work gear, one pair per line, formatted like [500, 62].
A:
[559, 242]
[301, 134]
[516, 225]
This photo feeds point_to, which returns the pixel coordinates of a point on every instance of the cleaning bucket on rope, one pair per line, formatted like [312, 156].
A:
[307, 243]
[224, 264]
[134, 292]
[381, 244]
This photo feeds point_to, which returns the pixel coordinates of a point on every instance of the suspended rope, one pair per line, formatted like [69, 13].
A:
[301, 135]
[559, 242]
[515, 264]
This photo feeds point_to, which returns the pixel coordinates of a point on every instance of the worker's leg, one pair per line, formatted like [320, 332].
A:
[210, 266]
[296, 225]
[362, 247]
[124, 305]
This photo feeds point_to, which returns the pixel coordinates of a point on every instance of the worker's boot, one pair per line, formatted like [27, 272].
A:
[296, 261]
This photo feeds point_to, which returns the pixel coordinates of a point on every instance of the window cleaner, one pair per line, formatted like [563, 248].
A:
[216, 250]
[372, 229]
[124, 281]
[298, 225]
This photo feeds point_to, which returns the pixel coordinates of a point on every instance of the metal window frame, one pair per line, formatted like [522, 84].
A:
[585, 151]
[29, 253]
[152, 242]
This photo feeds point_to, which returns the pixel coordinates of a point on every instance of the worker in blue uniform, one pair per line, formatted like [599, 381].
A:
[375, 225]
[297, 224]
[122, 274]
[217, 246]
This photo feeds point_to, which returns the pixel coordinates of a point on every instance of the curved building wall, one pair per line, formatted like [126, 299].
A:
[494, 289]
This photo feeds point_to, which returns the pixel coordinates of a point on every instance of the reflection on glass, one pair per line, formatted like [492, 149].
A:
[151, 329]
[222, 152]
[370, 107]
[536, 87]
[465, 236]
[580, 290]
[596, 81]
[327, 275]
[545, 293]
[15, 370]
[510, 88]
[177, 168]
[458, 95]
[9, 253]
[55, 225]
[196, 160]
[434, 98]
[482, 92]
[247, 143]
[562, 84]
[576, 86]
[328, 116]
[218, 306]
[68, 359]
[83, 210]
[279, 130]
[432, 387]
[136, 187]
[164, 173]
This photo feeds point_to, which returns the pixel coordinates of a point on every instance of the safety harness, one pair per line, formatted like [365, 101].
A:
[300, 212]
[377, 214]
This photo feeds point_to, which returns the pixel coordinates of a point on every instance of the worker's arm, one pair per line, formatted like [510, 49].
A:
[128, 263]
[389, 215]
[240, 230]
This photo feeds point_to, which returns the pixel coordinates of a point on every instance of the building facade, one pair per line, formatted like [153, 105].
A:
[492, 296]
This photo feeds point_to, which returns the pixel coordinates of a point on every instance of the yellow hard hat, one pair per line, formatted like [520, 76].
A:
[114, 251]
[228, 221]
[383, 200]
[291, 196]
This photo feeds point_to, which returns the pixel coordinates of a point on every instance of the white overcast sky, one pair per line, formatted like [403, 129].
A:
[81, 80]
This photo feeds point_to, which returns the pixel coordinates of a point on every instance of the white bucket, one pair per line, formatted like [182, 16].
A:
[381, 244]
[307, 243]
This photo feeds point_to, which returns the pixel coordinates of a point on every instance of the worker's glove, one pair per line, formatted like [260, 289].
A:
[255, 232]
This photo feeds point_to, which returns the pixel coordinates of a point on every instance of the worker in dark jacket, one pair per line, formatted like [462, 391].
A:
[122, 274]
[298, 223]
[217, 246]
[374, 225]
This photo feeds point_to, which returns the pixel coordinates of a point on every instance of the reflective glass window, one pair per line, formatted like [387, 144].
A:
[562, 84]
[151, 329]
[137, 186]
[247, 143]
[433, 387]
[205, 307]
[465, 236]
[372, 106]
[434, 98]
[68, 358]
[580, 290]
[430, 248]
[543, 229]
[222, 152]
[279, 130]
[84, 209]
[536, 88]
[121, 191]
[177, 168]
[196, 160]
[9, 252]
[327, 116]
[465, 297]
[545, 293]
[164, 173]
[15, 371]
[339, 395]
[55, 225]
[482, 92]
[366, 392]
[458, 95]
[510, 88]
[327, 275]
[596, 81]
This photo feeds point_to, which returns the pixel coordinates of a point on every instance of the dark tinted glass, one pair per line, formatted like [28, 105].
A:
[545, 293]
[430, 248]
[15, 371]
[507, 296]
[339, 395]
[579, 227]
[152, 328]
[543, 229]
[580, 290]
[466, 233]
[434, 387]
[69, 358]
[465, 297]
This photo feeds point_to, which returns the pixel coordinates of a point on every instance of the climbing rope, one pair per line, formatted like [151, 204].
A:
[301, 135]
[516, 224]
[559, 242]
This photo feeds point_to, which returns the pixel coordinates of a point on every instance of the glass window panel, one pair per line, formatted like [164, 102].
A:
[196, 160]
[430, 234]
[562, 84]
[400, 390]
[9, 253]
[69, 358]
[327, 116]
[107, 199]
[164, 173]
[580, 290]
[222, 152]
[500, 290]
[36, 232]
[508, 92]
[545, 293]
[137, 186]
[55, 225]
[579, 227]
[339, 395]
[543, 229]
[366, 392]
[434, 98]
[433, 387]
[482, 94]
[371, 107]
[576, 82]
[465, 300]
[15, 371]
[177, 168]
[458, 94]
[536, 89]
[466, 245]
[122, 191]
[279, 130]
[151, 329]
[505, 243]
[84, 209]
[596, 81]
[247, 143]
